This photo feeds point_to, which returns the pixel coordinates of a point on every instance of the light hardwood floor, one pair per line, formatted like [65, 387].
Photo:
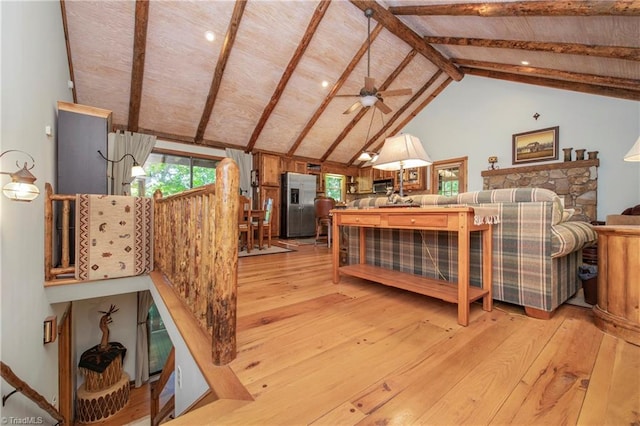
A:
[312, 352]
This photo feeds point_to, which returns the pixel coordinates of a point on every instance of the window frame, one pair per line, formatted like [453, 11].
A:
[460, 162]
[343, 185]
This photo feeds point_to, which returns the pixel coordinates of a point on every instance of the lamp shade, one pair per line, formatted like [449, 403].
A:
[137, 170]
[402, 151]
[21, 187]
[634, 152]
[368, 156]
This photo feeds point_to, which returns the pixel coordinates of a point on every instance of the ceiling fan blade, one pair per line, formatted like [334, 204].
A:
[352, 108]
[369, 84]
[346, 96]
[395, 92]
[382, 107]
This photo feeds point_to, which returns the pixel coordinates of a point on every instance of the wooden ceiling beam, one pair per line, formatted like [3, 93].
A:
[615, 52]
[137, 68]
[385, 85]
[625, 83]
[336, 87]
[592, 89]
[225, 52]
[361, 113]
[170, 137]
[397, 115]
[525, 8]
[416, 111]
[400, 30]
[65, 26]
[319, 13]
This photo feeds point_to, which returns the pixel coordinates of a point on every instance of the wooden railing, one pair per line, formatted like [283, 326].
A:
[158, 414]
[56, 274]
[20, 386]
[195, 248]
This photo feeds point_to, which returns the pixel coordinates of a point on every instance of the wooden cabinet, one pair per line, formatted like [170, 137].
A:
[382, 174]
[617, 311]
[414, 179]
[273, 193]
[291, 165]
[268, 169]
[365, 180]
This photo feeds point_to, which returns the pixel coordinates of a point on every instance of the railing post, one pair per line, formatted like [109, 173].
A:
[223, 296]
[48, 232]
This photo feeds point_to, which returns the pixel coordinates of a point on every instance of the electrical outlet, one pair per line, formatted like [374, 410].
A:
[179, 376]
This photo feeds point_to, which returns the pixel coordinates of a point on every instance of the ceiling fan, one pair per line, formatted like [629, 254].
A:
[369, 95]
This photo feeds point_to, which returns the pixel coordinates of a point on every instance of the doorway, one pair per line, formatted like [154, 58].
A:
[159, 342]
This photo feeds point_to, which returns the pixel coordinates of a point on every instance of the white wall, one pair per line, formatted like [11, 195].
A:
[33, 78]
[476, 117]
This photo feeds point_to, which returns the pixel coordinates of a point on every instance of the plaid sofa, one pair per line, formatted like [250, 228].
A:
[536, 252]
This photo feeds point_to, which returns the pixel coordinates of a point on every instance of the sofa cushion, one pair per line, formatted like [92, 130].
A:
[367, 203]
[515, 195]
[432, 199]
[567, 237]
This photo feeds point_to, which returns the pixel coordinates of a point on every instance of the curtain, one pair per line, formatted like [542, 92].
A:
[245, 165]
[120, 144]
[142, 338]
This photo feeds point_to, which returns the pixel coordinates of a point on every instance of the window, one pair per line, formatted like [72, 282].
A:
[449, 176]
[159, 342]
[334, 186]
[172, 173]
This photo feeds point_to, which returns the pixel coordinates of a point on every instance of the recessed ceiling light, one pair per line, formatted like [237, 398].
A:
[325, 83]
[209, 35]
[524, 62]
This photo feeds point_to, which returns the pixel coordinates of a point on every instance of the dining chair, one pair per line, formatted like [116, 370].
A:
[266, 222]
[323, 206]
[244, 223]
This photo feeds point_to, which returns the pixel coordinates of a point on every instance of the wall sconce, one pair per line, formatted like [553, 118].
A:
[136, 170]
[21, 187]
[50, 330]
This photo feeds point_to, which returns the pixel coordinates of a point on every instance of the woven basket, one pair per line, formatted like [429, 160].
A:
[96, 406]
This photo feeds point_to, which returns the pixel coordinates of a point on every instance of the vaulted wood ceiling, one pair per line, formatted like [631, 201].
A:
[257, 86]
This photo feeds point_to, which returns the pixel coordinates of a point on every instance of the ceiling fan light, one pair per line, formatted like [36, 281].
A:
[368, 100]
[364, 156]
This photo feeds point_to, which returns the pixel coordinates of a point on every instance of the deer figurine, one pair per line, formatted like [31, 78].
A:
[105, 320]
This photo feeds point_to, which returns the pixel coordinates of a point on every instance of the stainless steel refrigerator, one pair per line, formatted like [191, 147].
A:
[297, 213]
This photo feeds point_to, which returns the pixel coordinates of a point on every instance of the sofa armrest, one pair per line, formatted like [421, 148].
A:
[567, 237]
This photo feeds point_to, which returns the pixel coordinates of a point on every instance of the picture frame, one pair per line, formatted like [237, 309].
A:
[536, 145]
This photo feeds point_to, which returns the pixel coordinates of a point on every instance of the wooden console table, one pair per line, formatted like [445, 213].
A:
[617, 311]
[456, 219]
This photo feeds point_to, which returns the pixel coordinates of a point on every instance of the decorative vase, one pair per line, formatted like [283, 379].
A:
[567, 153]
[593, 155]
[580, 154]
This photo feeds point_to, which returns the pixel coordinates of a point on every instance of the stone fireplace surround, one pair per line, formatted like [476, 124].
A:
[576, 182]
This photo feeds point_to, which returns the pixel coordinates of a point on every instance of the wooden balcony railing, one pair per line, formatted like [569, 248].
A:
[158, 414]
[56, 275]
[195, 248]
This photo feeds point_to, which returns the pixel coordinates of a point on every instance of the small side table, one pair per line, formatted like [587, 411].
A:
[618, 308]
